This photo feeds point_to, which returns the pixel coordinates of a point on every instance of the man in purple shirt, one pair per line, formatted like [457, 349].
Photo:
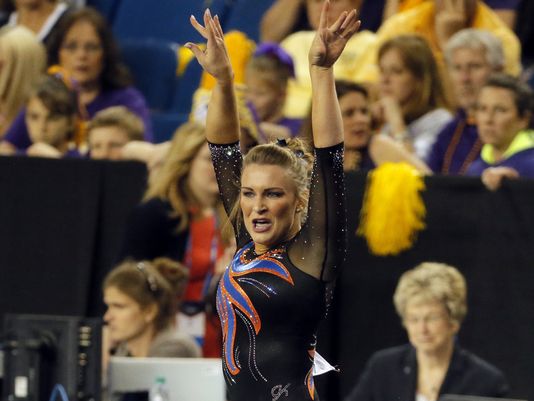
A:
[472, 55]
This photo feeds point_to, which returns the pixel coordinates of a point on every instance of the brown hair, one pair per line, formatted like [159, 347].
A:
[120, 117]
[161, 282]
[417, 57]
[114, 73]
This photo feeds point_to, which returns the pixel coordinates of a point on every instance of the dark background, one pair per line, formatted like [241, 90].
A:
[61, 224]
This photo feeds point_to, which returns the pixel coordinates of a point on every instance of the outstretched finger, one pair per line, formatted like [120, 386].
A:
[351, 17]
[336, 26]
[218, 26]
[323, 20]
[199, 28]
[196, 50]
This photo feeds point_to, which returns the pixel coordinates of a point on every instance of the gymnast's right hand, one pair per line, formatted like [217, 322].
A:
[214, 58]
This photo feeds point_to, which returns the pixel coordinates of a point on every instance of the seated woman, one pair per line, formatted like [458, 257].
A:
[180, 218]
[141, 300]
[413, 106]
[364, 150]
[84, 46]
[503, 117]
[431, 301]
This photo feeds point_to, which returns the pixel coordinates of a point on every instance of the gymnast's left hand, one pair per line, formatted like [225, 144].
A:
[330, 40]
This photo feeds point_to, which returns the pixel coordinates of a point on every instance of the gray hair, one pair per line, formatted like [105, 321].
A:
[476, 39]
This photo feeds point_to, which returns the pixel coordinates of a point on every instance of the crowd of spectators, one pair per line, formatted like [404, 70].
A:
[438, 84]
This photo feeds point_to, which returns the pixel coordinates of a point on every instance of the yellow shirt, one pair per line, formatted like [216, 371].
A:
[347, 67]
[420, 20]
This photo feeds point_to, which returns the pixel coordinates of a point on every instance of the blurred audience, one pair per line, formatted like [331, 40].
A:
[110, 130]
[141, 299]
[363, 150]
[84, 46]
[503, 116]
[413, 105]
[438, 20]
[266, 79]
[180, 218]
[349, 67]
[431, 302]
[39, 16]
[505, 9]
[471, 55]
[51, 114]
[22, 61]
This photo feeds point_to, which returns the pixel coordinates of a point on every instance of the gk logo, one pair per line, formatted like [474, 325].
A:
[278, 391]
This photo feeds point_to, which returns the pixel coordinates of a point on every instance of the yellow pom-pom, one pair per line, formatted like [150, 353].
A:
[393, 210]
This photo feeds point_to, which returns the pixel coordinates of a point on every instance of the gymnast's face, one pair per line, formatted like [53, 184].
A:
[126, 319]
[269, 204]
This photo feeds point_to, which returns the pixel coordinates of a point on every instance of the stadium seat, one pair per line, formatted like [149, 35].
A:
[245, 16]
[164, 125]
[188, 84]
[107, 8]
[153, 65]
[162, 19]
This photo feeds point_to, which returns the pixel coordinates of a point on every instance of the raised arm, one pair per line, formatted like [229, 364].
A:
[327, 46]
[222, 123]
[319, 249]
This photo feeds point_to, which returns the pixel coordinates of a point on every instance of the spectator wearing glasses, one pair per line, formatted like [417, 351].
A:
[85, 48]
[431, 302]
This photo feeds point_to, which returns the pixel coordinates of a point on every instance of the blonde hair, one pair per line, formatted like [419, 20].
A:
[120, 117]
[418, 58]
[293, 156]
[430, 282]
[161, 282]
[24, 61]
[170, 182]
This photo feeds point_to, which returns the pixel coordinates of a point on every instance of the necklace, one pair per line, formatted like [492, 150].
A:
[451, 149]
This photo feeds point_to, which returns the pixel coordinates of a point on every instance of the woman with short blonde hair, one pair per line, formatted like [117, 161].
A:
[431, 301]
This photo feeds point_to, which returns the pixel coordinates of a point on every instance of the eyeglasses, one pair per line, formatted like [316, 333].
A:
[87, 47]
[150, 279]
[428, 319]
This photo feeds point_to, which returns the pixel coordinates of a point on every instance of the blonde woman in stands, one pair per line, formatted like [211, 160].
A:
[22, 61]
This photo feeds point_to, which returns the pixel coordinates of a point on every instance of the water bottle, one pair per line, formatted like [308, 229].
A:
[159, 391]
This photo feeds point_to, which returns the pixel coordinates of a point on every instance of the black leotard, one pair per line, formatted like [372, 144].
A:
[270, 305]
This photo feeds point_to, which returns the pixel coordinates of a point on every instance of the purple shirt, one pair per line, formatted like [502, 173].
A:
[522, 162]
[456, 146]
[292, 124]
[129, 97]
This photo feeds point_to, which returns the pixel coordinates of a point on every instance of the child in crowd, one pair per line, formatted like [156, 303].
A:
[267, 75]
[110, 130]
[51, 119]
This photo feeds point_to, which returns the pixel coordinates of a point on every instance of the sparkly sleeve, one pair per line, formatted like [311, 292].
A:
[319, 249]
[227, 161]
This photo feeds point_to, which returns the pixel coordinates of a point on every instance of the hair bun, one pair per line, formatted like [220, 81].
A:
[174, 272]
